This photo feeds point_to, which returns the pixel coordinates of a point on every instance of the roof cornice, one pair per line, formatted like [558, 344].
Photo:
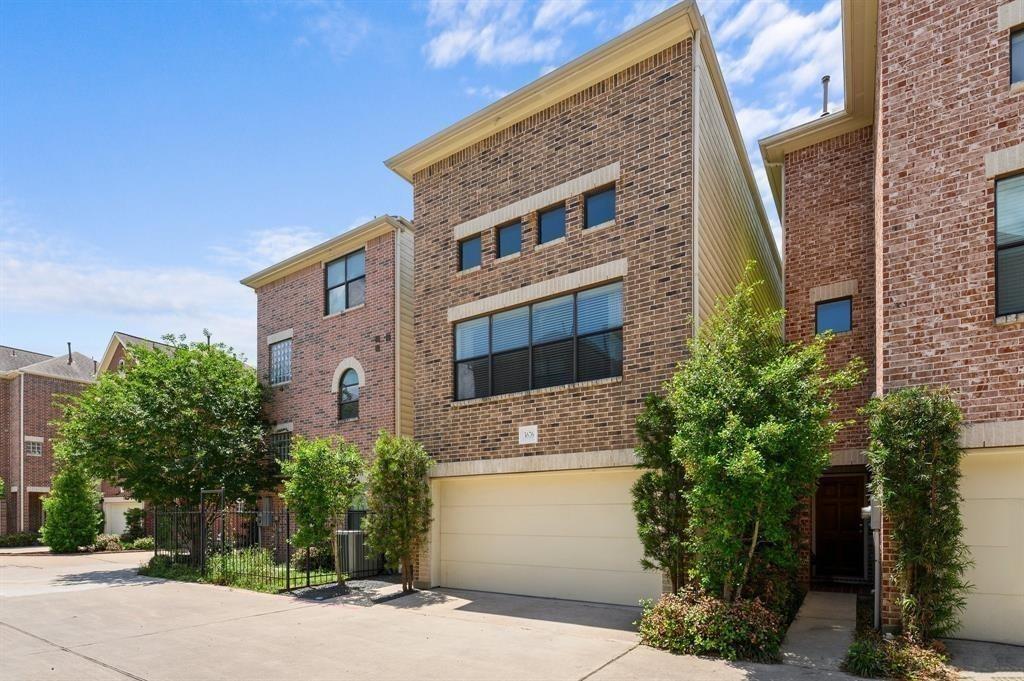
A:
[329, 249]
[649, 38]
[860, 21]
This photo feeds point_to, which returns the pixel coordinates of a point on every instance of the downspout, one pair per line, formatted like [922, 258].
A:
[22, 487]
[695, 78]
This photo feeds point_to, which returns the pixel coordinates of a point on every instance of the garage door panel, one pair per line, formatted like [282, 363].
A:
[608, 553]
[991, 617]
[568, 583]
[601, 487]
[992, 476]
[608, 520]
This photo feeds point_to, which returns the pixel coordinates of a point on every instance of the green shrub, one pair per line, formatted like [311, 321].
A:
[243, 568]
[901, 658]
[142, 544]
[107, 542]
[694, 623]
[135, 524]
[165, 568]
[16, 539]
[71, 509]
[321, 558]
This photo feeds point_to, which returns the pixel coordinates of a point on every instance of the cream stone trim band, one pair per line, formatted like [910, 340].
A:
[1004, 161]
[548, 197]
[992, 434]
[840, 289]
[616, 269]
[285, 427]
[612, 458]
[33, 438]
[1011, 15]
[279, 336]
[848, 457]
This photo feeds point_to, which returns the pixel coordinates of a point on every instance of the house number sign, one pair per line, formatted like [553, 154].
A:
[527, 435]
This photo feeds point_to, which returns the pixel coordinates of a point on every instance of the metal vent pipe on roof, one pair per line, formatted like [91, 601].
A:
[824, 94]
[69, 352]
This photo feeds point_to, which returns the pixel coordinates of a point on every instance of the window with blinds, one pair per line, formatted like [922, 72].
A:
[568, 339]
[1010, 245]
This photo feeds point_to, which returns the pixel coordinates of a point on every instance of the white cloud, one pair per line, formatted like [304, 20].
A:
[333, 24]
[485, 92]
[642, 10]
[267, 246]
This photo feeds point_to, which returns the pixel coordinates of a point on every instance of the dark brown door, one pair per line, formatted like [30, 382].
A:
[838, 528]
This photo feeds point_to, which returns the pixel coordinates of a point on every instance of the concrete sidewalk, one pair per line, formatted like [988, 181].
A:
[822, 631]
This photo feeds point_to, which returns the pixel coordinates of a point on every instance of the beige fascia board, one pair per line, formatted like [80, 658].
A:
[328, 250]
[672, 26]
[108, 355]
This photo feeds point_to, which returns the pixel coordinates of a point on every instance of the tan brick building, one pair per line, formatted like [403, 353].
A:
[904, 225]
[335, 337]
[569, 237]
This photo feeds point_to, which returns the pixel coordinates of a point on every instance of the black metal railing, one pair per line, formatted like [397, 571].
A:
[253, 549]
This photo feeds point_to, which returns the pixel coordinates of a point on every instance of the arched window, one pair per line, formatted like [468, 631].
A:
[348, 395]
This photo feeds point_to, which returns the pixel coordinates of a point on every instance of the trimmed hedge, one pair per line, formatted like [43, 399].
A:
[17, 539]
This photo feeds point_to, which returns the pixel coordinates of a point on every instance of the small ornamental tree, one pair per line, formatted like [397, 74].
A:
[398, 502]
[174, 423]
[753, 433]
[71, 508]
[915, 464]
[659, 494]
[322, 477]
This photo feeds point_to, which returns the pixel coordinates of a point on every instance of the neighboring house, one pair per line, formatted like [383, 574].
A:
[335, 338]
[569, 237]
[904, 232]
[30, 385]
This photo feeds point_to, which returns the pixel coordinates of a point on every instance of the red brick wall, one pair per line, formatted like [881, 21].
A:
[945, 103]
[830, 239]
[640, 118]
[8, 432]
[319, 344]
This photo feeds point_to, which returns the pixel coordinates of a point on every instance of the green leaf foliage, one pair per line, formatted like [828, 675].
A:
[398, 502]
[72, 508]
[753, 433]
[322, 477]
[659, 494]
[915, 463]
[171, 424]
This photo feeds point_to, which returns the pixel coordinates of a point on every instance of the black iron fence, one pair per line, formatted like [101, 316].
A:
[253, 549]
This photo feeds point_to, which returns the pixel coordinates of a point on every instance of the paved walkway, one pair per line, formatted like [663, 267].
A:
[822, 631]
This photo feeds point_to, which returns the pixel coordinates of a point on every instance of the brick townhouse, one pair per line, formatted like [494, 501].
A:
[335, 338]
[30, 385]
[569, 238]
[903, 217]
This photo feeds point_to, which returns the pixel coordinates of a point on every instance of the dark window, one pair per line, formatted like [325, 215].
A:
[599, 208]
[577, 337]
[345, 282]
[510, 239]
[469, 253]
[281, 362]
[348, 395]
[1010, 245]
[551, 224]
[281, 445]
[1017, 56]
[833, 315]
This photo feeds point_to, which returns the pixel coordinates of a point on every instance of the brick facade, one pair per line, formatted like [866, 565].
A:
[320, 343]
[639, 118]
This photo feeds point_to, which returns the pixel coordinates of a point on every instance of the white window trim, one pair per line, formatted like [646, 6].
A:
[345, 365]
[34, 438]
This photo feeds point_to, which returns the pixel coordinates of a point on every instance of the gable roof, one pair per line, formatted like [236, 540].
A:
[119, 338]
[80, 369]
[15, 358]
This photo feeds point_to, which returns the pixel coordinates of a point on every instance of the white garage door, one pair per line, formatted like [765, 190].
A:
[113, 515]
[563, 535]
[993, 510]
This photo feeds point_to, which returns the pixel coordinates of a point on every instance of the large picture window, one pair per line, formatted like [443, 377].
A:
[1010, 245]
[572, 338]
[345, 282]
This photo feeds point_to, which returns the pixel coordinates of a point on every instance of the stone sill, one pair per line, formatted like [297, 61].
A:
[345, 311]
[537, 391]
[1010, 319]
[602, 225]
[548, 244]
[506, 258]
[475, 268]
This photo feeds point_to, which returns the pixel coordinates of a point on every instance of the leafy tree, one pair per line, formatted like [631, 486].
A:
[915, 463]
[72, 507]
[321, 480]
[172, 424]
[659, 500]
[753, 433]
[135, 524]
[398, 502]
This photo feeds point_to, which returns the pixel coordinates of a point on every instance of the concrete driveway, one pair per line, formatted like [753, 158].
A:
[91, 617]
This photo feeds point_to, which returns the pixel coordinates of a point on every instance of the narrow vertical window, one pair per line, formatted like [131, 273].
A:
[510, 239]
[1017, 56]
[348, 396]
[833, 315]
[281, 445]
[551, 224]
[345, 282]
[599, 208]
[472, 358]
[469, 253]
[1010, 245]
[281, 362]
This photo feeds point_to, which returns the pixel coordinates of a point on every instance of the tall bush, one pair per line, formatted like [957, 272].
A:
[659, 500]
[915, 463]
[753, 433]
[398, 502]
[71, 509]
[322, 477]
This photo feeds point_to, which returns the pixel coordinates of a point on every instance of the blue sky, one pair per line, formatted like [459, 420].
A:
[152, 154]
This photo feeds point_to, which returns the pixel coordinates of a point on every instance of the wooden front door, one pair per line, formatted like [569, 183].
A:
[838, 528]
